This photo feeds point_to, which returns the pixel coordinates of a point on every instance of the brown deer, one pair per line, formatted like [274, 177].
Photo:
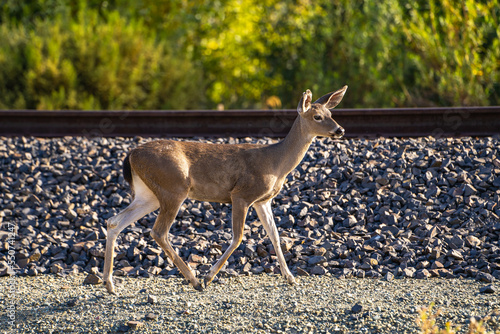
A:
[163, 173]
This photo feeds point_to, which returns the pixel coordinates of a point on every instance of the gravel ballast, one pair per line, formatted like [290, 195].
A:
[252, 304]
[391, 209]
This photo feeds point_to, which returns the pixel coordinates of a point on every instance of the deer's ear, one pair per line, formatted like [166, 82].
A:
[331, 100]
[305, 102]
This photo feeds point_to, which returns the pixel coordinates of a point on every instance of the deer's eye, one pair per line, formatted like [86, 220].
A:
[317, 118]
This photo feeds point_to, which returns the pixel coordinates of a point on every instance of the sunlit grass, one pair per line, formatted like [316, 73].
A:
[428, 317]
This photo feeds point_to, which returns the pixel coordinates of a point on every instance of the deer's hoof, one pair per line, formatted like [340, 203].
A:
[196, 284]
[291, 280]
[198, 287]
[110, 287]
[207, 281]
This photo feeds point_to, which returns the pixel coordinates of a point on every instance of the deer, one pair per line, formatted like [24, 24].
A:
[162, 174]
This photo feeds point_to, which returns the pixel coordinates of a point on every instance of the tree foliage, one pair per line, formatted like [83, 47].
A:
[177, 54]
[88, 62]
[454, 49]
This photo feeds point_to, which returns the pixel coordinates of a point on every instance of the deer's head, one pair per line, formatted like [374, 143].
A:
[318, 115]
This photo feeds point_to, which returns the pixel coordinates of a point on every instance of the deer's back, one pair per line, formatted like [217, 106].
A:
[208, 172]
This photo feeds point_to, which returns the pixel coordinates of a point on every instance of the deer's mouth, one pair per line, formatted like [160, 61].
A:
[337, 133]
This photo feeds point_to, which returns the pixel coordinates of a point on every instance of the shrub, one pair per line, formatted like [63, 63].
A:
[454, 51]
[178, 54]
[93, 63]
[427, 324]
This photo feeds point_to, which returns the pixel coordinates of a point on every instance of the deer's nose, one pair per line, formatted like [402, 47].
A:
[340, 131]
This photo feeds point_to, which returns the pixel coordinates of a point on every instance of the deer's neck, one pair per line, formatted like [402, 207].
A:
[293, 148]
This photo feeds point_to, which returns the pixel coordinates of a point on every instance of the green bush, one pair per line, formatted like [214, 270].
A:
[454, 50]
[93, 63]
[336, 43]
[390, 53]
[110, 54]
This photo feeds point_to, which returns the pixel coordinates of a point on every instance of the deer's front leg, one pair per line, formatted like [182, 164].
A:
[266, 217]
[240, 209]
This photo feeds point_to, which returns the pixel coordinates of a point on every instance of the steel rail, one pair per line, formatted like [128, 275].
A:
[396, 122]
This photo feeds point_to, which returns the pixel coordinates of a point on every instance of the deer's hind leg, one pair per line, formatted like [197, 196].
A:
[169, 207]
[144, 202]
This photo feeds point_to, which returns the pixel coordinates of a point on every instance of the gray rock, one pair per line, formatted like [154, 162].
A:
[72, 302]
[92, 279]
[257, 270]
[350, 221]
[318, 270]
[357, 308]
[469, 190]
[33, 272]
[123, 329]
[370, 203]
[302, 272]
[457, 241]
[485, 277]
[457, 255]
[392, 229]
[115, 200]
[409, 272]
[133, 324]
[71, 215]
[152, 299]
[389, 219]
[303, 212]
[422, 274]
[488, 289]
[250, 251]
[383, 181]
[473, 241]
[314, 260]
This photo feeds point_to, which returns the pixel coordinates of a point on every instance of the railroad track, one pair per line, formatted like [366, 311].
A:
[399, 122]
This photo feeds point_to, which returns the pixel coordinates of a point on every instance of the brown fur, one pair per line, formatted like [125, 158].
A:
[243, 175]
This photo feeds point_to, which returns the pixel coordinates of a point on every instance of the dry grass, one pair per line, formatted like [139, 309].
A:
[427, 323]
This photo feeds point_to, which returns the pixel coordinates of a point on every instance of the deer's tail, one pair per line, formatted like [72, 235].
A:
[127, 172]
